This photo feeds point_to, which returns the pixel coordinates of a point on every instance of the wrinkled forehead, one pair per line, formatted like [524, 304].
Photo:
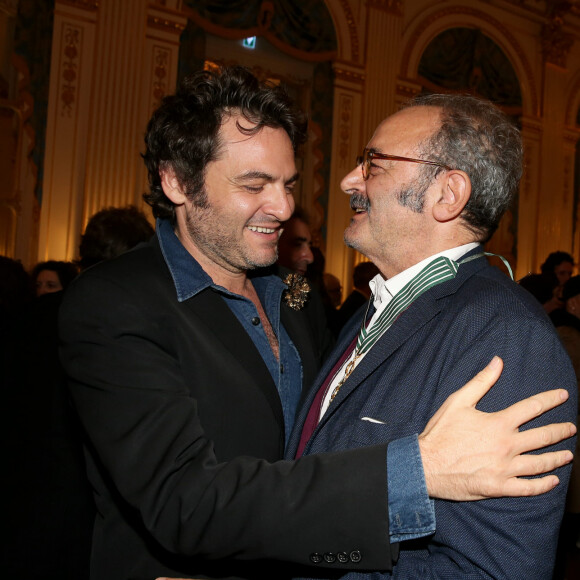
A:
[236, 133]
[404, 131]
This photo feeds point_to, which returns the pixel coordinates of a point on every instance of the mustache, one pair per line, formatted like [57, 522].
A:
[358, 201]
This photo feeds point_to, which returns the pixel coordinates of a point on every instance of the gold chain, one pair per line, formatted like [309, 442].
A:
[347, 372]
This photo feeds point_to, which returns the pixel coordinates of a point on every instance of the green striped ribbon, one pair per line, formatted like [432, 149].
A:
[436, 272]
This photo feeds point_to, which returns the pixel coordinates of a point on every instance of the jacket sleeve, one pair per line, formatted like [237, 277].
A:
[143, 428]
[503, 538]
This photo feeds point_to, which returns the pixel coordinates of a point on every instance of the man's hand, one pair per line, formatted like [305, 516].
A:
[469, 455]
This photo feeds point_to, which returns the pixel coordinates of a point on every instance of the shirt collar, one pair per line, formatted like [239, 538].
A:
[384, 290]
[188, 276]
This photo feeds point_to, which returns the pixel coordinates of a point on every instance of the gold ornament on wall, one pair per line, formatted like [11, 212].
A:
[160, 66]
[345, 105]
[70, 65]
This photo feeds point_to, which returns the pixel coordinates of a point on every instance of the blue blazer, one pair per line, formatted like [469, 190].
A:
[438, 344]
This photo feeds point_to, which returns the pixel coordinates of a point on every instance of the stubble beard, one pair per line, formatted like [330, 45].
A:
[216, 241]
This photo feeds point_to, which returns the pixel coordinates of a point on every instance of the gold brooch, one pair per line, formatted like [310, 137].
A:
[297, 292]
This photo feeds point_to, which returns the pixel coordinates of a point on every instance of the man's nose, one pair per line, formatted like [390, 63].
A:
[280, 204]
[307, 254]
[353, 181]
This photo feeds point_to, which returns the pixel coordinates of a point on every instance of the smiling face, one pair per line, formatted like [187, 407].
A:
[249, 196]
[391, 235]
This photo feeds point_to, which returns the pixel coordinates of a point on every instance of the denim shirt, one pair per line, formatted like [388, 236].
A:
[190, 279]
[411, 512]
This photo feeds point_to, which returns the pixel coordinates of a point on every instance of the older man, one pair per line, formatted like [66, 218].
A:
[186, 364]
[429, 189]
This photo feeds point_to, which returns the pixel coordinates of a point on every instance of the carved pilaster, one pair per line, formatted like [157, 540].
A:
[67, 131]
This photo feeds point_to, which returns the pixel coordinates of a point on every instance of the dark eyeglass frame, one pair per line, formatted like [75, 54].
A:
[368, 155]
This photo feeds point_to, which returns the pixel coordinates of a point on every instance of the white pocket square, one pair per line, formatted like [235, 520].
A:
[371, 420]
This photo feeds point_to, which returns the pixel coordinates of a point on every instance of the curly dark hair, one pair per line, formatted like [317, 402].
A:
[183, 133]
[478, 138]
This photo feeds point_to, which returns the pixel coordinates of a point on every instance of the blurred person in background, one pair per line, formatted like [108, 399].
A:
[557, 268]
[112, 231]
[53, 276]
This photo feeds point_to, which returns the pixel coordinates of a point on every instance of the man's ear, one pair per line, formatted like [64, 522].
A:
[453, 195]
[171, 187]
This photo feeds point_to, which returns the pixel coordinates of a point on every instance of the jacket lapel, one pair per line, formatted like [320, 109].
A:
[423, 310]
[346, 337]
[211, 309]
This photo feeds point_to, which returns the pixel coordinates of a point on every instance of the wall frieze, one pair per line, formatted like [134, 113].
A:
[406, 90]
[165, 24]
[432, 17]
[349, 75]
[391, 6]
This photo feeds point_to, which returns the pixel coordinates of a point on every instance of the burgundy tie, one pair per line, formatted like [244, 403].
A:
[313, 414]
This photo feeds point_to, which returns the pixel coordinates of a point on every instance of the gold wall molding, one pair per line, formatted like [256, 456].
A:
[407, 90]
[354, 42]
[70, 63]
[349, 76]
[161, 59]
[165, 24]
[345, 108]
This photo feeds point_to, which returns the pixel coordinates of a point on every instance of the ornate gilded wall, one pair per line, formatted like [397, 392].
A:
[351, 62]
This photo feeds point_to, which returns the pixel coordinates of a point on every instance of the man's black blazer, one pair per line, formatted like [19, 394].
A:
[183, 422]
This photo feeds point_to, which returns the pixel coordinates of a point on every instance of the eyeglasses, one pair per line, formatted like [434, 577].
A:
[368, 155]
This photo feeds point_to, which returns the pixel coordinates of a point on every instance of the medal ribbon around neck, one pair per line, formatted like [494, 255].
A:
[435, 272]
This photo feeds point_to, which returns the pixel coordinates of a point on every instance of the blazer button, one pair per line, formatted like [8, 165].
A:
[315, 558]
[342, 557]
[355, 556]
[256, 320]
[329, 558]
